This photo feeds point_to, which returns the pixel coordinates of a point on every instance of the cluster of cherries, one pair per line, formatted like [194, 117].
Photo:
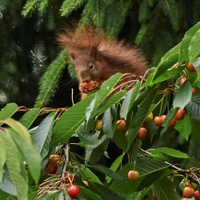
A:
[54, 161]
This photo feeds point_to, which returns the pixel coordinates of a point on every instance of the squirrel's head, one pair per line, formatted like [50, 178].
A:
[87, 65]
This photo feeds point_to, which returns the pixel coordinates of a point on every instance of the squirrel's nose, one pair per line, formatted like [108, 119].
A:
[84, 76]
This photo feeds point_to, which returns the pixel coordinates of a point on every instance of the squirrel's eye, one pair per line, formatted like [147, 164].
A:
[91, 65]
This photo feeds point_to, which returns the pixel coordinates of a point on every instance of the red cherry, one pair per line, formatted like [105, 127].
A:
[52, 169]
[190, 67]
[142, 133]
[133, 175]
[173, 123]
[73, 191]
[182, 80]
[188, 192]
[154, 196]
[159, 120]
[194, 91]
[69, 178]
[197, 195]
[180, 114]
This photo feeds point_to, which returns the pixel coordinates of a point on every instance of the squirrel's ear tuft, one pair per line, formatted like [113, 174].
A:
[94, 53]
[72, 55]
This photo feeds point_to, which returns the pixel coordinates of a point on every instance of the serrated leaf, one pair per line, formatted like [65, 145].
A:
[42, 136]
[149, 169]
[168, 74]
[95, 152]
[105, 90]
[90, 194]
[29, 117]
[184, 47]
[8, 111]
[183, 96]
[108, 172]
[91, 176]
[70, 121]
[193, 107]
[172, 152]
[2, 156]
[195, 125]
[30, 154]
[19, 128]
[141, 113]
[129, 100]
[167, 61]
[112, 100]
[164, 189]
[184, 126]
[115, 165]
[13, 165]
[194, 50]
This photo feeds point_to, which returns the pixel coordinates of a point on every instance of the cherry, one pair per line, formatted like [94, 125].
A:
[188, 192]
[51, 169]
[86, 85]
[173, 123]
[154, 196]
[133, 175]
[180, 114]
[196, 195]
[149, 117]
[142, 133]
[126, 134]
[159, 120]
[99, 125]
[54, 159]
[190, 67]
[121, 124]
[73, 191]
[194, 91]
[69, 178]
[182, 80]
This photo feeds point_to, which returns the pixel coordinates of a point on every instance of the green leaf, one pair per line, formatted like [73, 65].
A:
[95, 151]
[172, 152]
[105, 90]
[167, 61]
[70, 121]
[194, 50]
[90, 194]
[13, 165]
[164, 189]
[108, 172]
[20, 129]
[183, 96]
[141, 113]
[184, 126]
[112, 100]
[29, 117]
[184, 47]
[30, 154]
[90, 175]
[150, 171]
[193, 107]
[8, 111]
[2, 156]
[115, 165]
[195, 125]
[169, 74]
[129, 100]
[42, 136]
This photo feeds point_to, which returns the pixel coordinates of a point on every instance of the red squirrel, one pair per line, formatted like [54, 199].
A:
[96, 57]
